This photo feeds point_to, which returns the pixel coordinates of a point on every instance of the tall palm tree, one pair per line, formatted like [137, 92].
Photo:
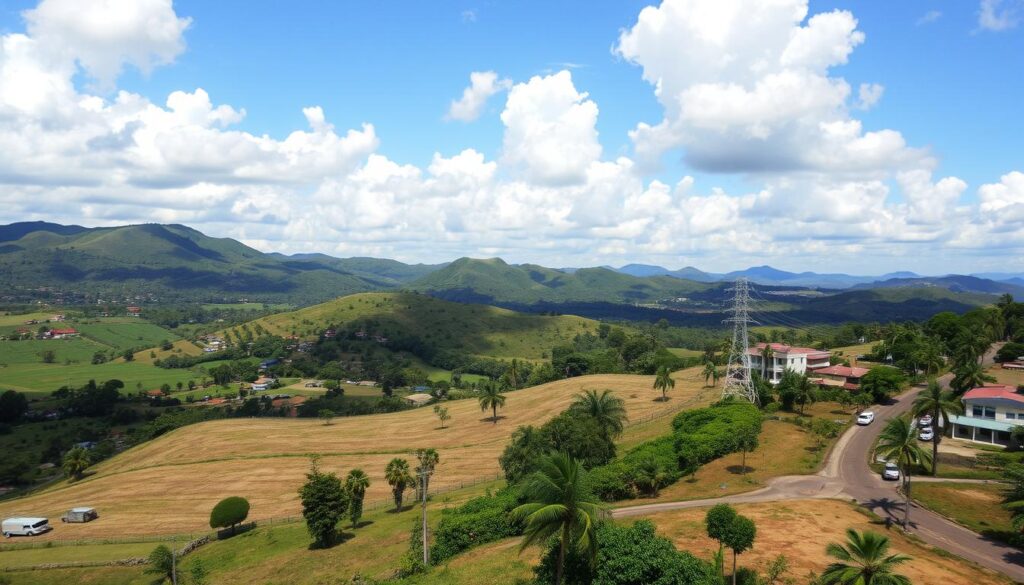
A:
[428, 460]
[491, 397]
[803, 391]
[513, 374]
[929, 355]
[356, 484]
[607, 409]
[767, 356]
[898, 442]
[709, 372]
[398, 477]
[663, 381]
[863, 561]
[969, 375]
[76, 461]
[559, 502]
[940, 404]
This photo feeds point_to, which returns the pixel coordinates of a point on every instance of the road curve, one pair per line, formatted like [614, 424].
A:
[846, 475]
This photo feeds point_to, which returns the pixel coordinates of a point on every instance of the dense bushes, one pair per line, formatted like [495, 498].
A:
[574, 433]
[480, 520]
[700, 436]
[709, 433]
[629, 555]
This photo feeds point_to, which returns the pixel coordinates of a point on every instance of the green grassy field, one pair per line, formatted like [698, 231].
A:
[72, 554]
[45, 378]
[976, 506]
[123, 333]
[683, 352]
[30, 351]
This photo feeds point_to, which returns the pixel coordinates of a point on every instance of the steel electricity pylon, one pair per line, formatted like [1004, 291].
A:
[738, 381]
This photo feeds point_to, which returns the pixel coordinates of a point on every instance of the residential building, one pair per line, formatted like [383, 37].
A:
[262, 383]
[418, 399]
[785, 357]
[62, 333]
[990, 413]
[134, 311]
[847, 377]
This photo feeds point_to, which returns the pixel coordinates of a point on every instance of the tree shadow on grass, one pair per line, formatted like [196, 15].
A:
[340, 537]
[405, 507]
[662, 399]
[490, 419]
[739, 469]
[363, 524]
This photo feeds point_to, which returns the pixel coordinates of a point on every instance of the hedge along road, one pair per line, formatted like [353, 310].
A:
[846, 475]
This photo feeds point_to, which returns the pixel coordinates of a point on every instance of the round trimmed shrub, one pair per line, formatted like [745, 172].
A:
[229, 512]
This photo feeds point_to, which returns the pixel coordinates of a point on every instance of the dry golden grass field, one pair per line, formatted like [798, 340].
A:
[169, 485]
[801, 529]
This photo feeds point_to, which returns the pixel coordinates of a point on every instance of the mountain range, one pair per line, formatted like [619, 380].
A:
[175, 262]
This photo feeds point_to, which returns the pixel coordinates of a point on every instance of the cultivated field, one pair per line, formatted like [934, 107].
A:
[800, 530]
[170, 484]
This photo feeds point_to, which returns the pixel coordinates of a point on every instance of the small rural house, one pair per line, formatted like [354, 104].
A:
[262, 383]
[847, 377]
[418, 399]
[990, 413]
[62, 333]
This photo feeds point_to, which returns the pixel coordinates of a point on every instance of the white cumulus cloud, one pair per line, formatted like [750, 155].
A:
[482, 85]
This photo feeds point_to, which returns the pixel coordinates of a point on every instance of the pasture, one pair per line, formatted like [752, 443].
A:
[123, 333]
[170, 484]
[800, 529]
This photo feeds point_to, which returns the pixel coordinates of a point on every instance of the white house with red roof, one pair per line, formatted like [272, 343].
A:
[784, 357]
[990, 413]
[62, 333]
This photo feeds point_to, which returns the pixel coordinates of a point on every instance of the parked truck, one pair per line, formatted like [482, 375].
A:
[25, 526]
[79, 515]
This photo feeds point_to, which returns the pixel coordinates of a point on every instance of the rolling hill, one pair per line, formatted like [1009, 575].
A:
[171, 261]
[473, 329]
[495, 281]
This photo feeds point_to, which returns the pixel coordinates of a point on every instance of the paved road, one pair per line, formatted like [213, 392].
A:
[846, 475]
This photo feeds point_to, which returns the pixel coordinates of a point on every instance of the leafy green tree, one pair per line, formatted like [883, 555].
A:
[882, 382]
[492, 398]
[717, 523]
[804, 392]
[128, 355]
[326, 415]
[399, 478]
[76, 461]
[12, 406]
[514, 374]
[746, 441]
[898, 442]
[969, 375]
[649, 476]
[863, 560]
[663, 381]
[427, 460]
[526, 446]
[442, 414]
[324, 501]
[560, 503]
[940, 405]
[229, 512]
[709, 372]
[161, 562]
[606, 409]
[739, 538]
[356, 485]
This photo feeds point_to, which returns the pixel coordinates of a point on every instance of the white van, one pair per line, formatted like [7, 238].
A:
[25, 526]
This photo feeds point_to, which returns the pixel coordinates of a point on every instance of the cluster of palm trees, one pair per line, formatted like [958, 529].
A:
[400, 476]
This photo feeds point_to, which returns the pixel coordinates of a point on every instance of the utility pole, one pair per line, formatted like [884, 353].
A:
[738, 378]
[424, 475]
[174, 564]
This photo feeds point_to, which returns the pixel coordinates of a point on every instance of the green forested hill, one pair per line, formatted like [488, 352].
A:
[168, 260]
[494, 280]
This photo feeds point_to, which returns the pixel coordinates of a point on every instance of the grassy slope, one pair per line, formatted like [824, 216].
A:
[473, 329]
[144, 490]
[976, 506]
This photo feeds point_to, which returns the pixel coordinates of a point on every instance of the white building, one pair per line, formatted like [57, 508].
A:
[990, 413]
[783, 357]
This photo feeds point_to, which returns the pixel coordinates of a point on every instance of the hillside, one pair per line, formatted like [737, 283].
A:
[169, 485]
[171, 261]
[953, 282]
[467, 328]
[495, 281]
[379, 270]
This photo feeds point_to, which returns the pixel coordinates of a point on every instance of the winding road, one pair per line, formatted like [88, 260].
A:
[846, 475]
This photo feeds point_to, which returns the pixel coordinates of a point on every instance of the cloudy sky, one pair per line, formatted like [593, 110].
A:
[850, 137]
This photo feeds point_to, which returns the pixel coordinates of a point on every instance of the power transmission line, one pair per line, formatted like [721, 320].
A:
[738, 381]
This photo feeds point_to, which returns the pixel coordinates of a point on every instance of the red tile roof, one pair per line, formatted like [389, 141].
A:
[68, 331]
[995, 391]
[844, 371]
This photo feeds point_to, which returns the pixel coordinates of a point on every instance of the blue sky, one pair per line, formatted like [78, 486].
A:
[952, 85]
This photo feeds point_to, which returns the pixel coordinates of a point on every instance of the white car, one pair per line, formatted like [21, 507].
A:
[892, 471]
[925, 421]
[866, 418]
[927, 434]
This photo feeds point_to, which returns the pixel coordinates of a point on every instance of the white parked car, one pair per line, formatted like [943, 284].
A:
[927, 434]
[892, 471]
[866, 418]
[925, 421]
